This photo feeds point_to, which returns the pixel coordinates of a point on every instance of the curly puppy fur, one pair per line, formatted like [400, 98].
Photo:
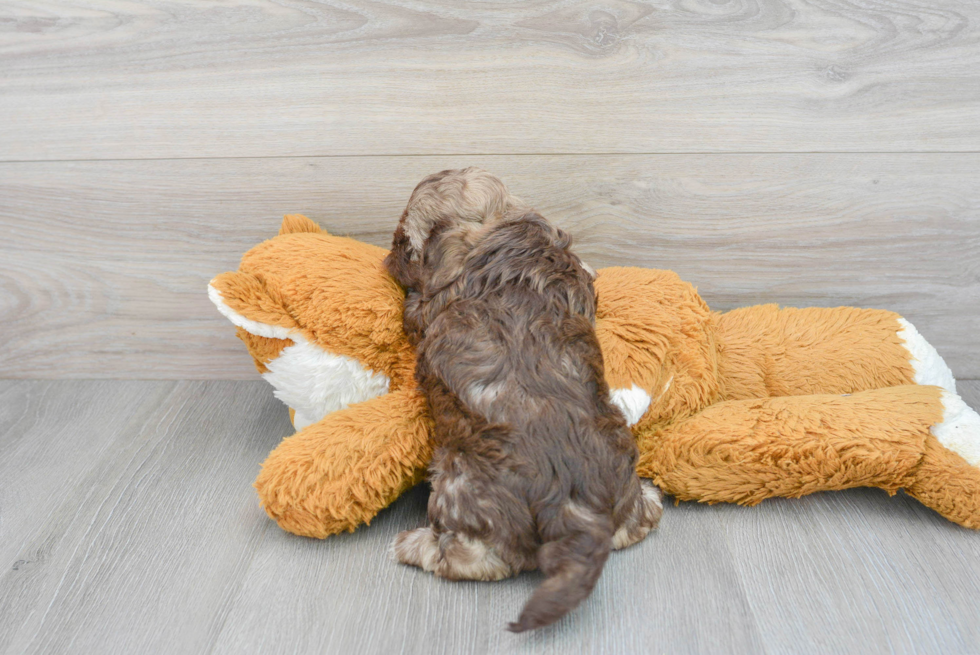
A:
[533, 466]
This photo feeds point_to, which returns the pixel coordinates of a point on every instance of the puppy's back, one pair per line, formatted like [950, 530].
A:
[517, 347]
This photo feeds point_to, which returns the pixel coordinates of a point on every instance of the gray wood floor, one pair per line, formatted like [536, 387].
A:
[128, 525]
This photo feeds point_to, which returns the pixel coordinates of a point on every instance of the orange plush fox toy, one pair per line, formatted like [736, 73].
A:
[734, 407]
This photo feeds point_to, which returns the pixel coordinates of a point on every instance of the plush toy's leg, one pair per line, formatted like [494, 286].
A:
[340, 472]
[766, 352]
[745, 451]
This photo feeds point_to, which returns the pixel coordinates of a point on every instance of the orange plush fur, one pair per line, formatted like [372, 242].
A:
[735, 407]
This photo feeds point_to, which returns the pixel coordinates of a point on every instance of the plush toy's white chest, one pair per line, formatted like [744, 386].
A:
[315, 382]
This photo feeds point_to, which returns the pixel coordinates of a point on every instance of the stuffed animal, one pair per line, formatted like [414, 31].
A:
[726, 407]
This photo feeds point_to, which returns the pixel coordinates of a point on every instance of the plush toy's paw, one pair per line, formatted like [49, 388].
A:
[948, 478]
[960, 428]
[929, 367]
[645, 517]
[341, 471]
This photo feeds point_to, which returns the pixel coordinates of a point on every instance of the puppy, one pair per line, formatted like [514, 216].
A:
[533, 465]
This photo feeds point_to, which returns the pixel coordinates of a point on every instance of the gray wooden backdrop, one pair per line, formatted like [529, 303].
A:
[801, 152]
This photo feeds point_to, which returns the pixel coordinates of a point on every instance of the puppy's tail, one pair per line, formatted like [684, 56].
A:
[573, 564]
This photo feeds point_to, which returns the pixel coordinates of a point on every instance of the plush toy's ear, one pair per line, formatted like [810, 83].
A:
[294, 223]
[250, 305]
[262, 323]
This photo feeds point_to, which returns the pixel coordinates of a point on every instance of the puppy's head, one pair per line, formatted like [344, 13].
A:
[446, 216]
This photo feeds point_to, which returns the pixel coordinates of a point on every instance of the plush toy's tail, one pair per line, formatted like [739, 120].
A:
[572, 564]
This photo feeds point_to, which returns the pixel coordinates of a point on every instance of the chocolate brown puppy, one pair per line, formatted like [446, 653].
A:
[533, 465]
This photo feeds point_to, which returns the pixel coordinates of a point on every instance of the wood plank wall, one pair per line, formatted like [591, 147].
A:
[795, 151]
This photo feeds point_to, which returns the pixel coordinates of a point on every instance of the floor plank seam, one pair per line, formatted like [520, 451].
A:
[233, 599]
[670, 153]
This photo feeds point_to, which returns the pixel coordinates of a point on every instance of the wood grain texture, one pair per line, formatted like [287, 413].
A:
[168, 78]
[346, 594]
[129, 525]
[104, 265]
[858, 572]
[128, 515]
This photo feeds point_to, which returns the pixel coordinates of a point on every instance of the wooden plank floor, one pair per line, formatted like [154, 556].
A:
[128, 525]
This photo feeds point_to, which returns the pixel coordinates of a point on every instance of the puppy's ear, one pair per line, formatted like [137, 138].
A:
[562, 238]
[445, 255]
[399, 261]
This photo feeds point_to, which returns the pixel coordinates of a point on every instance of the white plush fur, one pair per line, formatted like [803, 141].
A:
[311, 380]
[928, 365]
[633, 402]
[960, 429]
[315, 382]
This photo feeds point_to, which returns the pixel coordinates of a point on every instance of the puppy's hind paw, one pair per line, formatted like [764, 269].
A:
[645, 516]
[653, 499]
[416, 548]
